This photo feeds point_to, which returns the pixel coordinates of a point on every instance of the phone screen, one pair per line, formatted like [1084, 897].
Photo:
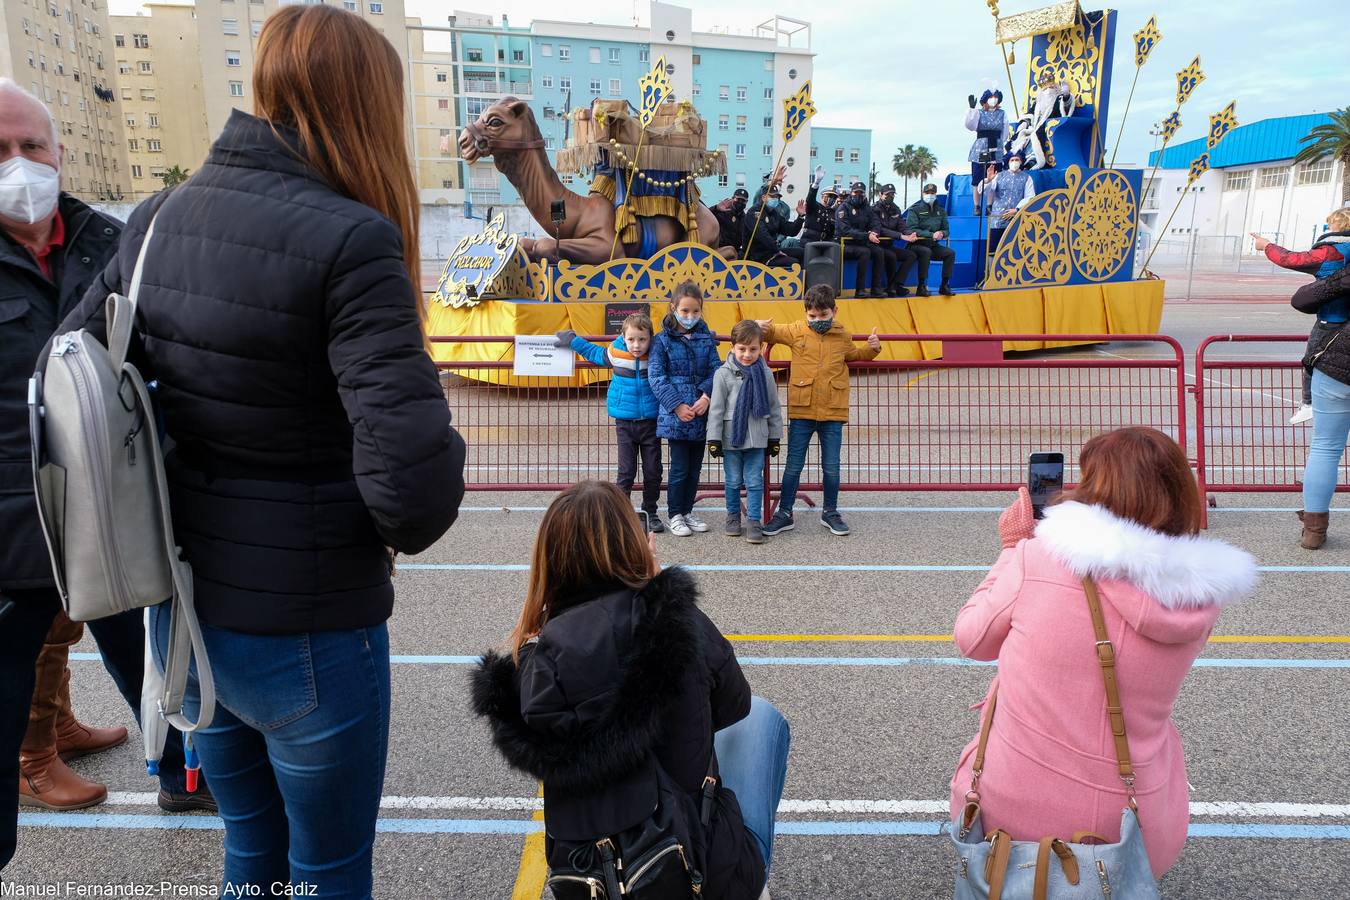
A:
[646, 523]
[1045, 480]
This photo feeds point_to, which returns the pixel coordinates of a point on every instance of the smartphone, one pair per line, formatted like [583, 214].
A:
[646, 523]
[1045, 480]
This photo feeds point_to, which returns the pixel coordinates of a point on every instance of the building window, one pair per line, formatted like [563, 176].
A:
[698, 59]
[443, 103]
[517, 56]
[148, 94]
[123, 68]
[722, 180]
[474, 106]
[768, 121]
[768, 149]
[152, 146]
[768, 64]
[1318, 172]
[813, 151]
[152, 120]
[440, 77]
[255, 28]
[134, 145]
[1273, 177]
[595, 54]
[350, 6]
[550, 113]
[615, 87]
[135, 171]
[740, 123]
[740, 94]
[698, 89]
[614, 56]
[141, 41]
[564, 82]
[740, 151]
[545, 50]
[475, 54]
[723, 92]
[723, 122]
[119, 40]
[230, 26]
[548, 143]
[564, 52]
[131, 121]
[644, 54]
[1237, 181]
[376, 9]
[853, 155]
[232, 58]
[838, 154]
[546, 81]
[595, 86]
[144, 66]
[236, 89]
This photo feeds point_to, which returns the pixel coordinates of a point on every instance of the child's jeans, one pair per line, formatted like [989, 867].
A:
[799, 439]
[744, 467]
[686, 464]
[638, 436]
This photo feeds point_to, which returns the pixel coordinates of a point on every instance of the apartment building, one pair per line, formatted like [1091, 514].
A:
[159, 78]
[61, 50]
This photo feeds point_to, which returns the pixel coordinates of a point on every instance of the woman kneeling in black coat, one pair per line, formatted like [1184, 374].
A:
[618, 690]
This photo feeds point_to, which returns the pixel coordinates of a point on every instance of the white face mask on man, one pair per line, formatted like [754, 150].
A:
[1014, 164]
[28, 190]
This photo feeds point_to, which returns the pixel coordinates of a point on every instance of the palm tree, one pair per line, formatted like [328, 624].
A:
[174, 176]
[903, 164]
[1331, 139]
[925, 164]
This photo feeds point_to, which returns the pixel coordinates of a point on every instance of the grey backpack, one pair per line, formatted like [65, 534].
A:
[103, 502]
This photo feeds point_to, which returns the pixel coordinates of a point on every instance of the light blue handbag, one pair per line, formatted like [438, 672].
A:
[1000, 868]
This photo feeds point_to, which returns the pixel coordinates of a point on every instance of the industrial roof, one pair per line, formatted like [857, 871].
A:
[1263, 141]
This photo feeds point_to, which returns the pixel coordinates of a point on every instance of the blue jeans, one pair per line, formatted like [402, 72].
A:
[1331, 425]
[744, 467]
[752, 758]
[686, 464]
[799, 439]
[295, 753]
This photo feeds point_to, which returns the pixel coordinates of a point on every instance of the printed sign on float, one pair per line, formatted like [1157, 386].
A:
[536, 355]
[615, 313]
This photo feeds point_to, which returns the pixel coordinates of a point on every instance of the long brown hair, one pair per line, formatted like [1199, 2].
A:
[590, 537]
[1142, 475]
[337, 81]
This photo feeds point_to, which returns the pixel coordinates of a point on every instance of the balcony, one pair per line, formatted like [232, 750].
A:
[498, 88]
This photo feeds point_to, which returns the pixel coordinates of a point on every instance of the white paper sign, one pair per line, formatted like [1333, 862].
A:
[536, 355]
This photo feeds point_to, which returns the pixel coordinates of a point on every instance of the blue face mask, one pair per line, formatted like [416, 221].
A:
[820, 326]
[687, 323]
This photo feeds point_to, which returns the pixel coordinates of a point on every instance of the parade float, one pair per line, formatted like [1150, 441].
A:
[1065, 263]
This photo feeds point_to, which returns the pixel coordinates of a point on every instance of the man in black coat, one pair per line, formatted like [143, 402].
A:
[730, 215]
[855, 224]
[890, 224]
[52, 247]
[817, 220]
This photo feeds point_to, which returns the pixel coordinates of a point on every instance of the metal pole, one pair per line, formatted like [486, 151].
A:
[1190, 275]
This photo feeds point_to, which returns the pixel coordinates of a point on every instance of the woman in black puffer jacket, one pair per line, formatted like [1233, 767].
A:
[281, 317]
[1331, 405]
[616, 685]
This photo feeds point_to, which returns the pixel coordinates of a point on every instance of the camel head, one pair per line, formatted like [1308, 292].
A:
[507, 125]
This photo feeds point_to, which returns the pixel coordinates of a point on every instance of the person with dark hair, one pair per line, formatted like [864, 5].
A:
[927, 220]
[989, 121]
[855, 223]
[890, 224]
[683, 361]
[730, 215]
[281, 316]
[614, 682]
[1132, 527]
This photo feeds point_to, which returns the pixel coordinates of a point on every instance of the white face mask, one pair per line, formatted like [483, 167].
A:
[1014, 164]
[28, 190]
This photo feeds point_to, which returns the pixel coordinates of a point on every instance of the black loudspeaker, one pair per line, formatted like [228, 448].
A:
[821, 262]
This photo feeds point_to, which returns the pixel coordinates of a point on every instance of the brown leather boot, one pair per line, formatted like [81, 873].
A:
[75, 739]
[1314, 529]
[44, 780]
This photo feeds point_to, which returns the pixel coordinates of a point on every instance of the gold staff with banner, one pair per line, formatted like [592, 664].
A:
[1145, 39]
[1188, 79]
[1222, 122]
[797, 110]
[1008, 57]
[654, 89]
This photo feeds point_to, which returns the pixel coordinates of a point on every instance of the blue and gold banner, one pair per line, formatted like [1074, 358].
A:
[1222, 122]
[1199, 166]
[797, 110]
[1170, 126]
[1188, 79]
[1145, 39]
[655, 89]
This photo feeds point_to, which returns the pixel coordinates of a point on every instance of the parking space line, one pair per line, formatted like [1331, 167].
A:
[533, 869]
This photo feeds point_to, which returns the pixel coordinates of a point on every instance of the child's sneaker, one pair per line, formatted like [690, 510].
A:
[679, 527]
[754, 532]
[733, 526]
[833, 521]
[1304, 415]
[655, 524]
[781, 521]
[694, 524]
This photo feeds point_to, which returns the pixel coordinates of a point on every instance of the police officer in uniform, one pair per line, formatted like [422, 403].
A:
[730, 215]
[928, 222]
[817, 219]
[890, 224]
[855, 223]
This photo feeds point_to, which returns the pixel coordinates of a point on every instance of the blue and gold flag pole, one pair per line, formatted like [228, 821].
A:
[1006, 53]
[1145, 39]
[655, 89]
[1222, 122]
[1188, 79]
[797, 109]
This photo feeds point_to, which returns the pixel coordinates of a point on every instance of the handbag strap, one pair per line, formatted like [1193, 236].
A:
[121, 310]
[1115, 713]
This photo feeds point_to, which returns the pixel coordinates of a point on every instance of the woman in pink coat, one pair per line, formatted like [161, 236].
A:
[1132, 525]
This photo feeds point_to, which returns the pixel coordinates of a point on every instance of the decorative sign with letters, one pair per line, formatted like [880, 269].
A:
[474, 265]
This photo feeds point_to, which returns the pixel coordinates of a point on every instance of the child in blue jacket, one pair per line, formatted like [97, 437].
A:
[684, 360]
[632, 406]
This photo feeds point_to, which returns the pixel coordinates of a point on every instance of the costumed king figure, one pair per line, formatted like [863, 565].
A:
[1054, 100]
[990, 124]
[1008, 191]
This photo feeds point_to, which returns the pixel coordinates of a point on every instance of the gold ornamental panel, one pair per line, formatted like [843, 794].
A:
[1035, 248]
[1102, 225]
[655, 279]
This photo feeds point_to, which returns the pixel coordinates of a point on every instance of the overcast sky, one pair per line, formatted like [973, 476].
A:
[904, 68]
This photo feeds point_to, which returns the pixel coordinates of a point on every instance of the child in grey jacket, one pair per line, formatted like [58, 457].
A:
[745, 421]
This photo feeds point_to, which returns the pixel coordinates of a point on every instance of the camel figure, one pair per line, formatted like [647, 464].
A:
[507, 132]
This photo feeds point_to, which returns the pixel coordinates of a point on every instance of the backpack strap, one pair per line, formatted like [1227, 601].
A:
[1115, 713]
[709, 791]
[122, 310]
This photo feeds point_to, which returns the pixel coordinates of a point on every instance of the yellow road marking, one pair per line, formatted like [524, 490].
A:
[947, 638]
[533, 869]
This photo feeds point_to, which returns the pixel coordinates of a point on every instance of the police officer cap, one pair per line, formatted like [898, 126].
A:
[830, 192]
[740, 194]
[858, 187]
[930, 188]
[888, 189]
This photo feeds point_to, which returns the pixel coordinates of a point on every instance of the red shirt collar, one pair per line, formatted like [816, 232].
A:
[57, 239]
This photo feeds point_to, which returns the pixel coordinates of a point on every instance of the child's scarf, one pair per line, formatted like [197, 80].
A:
[753, 400]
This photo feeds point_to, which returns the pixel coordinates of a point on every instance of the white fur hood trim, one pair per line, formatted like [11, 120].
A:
[1178, 572]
